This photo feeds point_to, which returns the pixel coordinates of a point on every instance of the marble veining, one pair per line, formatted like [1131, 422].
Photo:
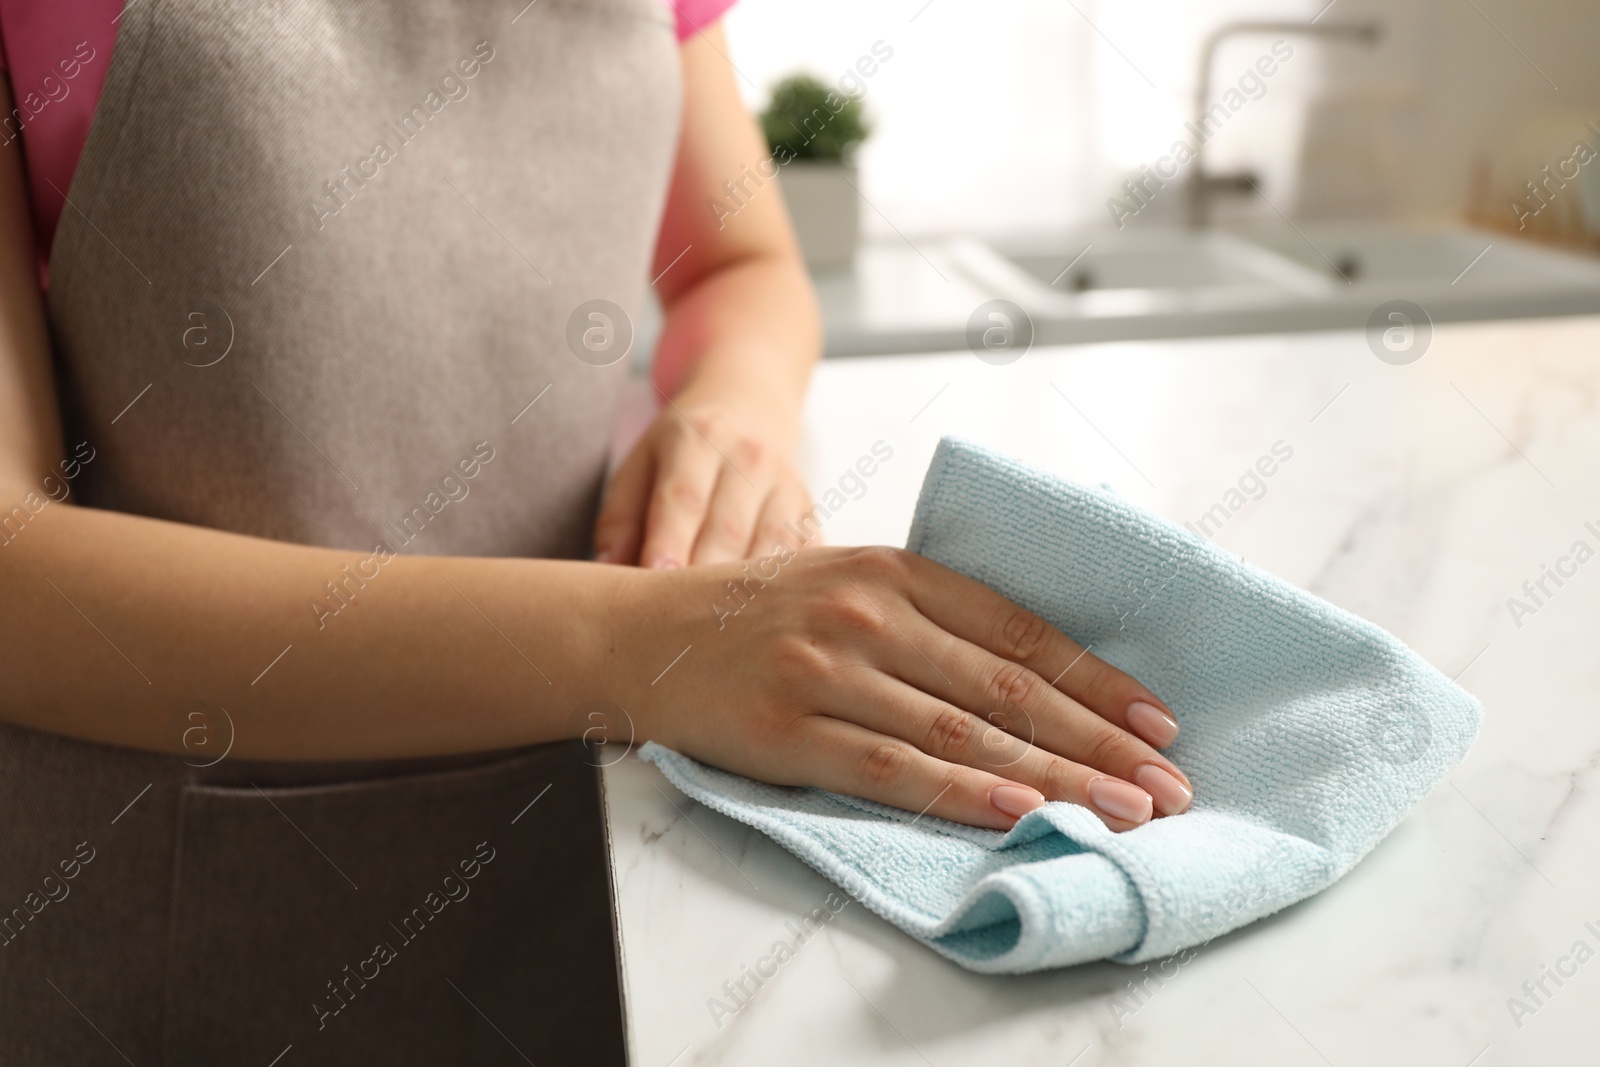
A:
[1421, 497]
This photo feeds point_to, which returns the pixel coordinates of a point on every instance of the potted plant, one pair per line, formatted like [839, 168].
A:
[813, 132]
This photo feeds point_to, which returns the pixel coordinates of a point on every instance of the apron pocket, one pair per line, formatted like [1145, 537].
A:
[397, 920]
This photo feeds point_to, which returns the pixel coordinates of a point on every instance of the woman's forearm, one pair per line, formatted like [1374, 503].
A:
[115, 626]
[741, 316]
[748, 330]
[872, 672]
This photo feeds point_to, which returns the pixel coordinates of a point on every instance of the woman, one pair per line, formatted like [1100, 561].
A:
[305, 404]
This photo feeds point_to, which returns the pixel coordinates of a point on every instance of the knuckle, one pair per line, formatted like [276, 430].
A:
[1108, 750]
[886, 764]
[1023, 634]
[850, 611]
[1059, 781]
[684, 494]
[752, 451]
[730, 530]
[790, 728]
[800, 662]
[705, 424]
[881, 563]
[950, 734]
[1012, 685]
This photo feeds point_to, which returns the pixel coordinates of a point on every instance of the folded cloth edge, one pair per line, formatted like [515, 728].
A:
[1090, 833]
[699, 782]
[1077, 824]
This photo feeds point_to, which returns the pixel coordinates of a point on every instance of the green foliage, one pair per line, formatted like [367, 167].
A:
[805, 119]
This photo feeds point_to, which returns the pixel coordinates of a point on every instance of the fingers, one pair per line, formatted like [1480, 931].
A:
[845, 758]
[1008, 696]
[786, 503]
[957, 736]
[679, 499]
[685, 478]
[730, 521]
[982, 617]
[619, 528]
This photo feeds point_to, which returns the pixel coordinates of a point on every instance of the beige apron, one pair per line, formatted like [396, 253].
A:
[318, 282]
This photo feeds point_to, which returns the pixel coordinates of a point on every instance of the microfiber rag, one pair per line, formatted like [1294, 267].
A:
[1307, 732]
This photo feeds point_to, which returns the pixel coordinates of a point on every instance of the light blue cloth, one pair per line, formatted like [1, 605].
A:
[1308, 734]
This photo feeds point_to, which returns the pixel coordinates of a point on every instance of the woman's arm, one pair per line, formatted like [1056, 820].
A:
[711, 480]
[740, 308]
[112, 624]
[868, 671]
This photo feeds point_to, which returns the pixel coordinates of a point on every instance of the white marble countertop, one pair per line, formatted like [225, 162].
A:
[1420, 496]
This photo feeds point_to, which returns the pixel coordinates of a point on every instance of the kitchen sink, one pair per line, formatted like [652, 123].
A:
[1377, 254]
[1174, 261]
[1171, 281]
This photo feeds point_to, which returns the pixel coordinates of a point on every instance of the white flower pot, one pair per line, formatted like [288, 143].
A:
[826, 210]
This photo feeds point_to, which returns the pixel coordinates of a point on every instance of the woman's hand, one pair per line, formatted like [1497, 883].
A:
[710, 481]
[877, 673]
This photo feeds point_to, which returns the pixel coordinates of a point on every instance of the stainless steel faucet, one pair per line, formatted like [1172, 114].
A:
[1201, 186]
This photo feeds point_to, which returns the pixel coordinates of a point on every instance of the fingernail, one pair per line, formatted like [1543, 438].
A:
[1152, 724]
[1015, 800]
[1171, 796]
[605, 554]
[1120, 800]
[664, 564]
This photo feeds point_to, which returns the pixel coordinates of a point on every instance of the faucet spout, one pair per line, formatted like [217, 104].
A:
[1201, 186]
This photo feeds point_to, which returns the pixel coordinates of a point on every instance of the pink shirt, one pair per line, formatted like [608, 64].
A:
[57, 53]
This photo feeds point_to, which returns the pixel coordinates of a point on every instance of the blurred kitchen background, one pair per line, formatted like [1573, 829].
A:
[1434, 151]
